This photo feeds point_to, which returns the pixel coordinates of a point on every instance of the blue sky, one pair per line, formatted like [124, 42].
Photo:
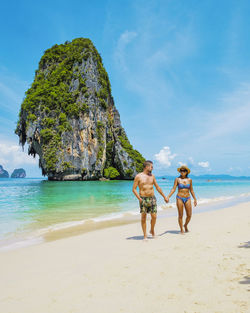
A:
[179, 71]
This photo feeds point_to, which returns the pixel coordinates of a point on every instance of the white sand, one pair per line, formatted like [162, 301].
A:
[206, 270]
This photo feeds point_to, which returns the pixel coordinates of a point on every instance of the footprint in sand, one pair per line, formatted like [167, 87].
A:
[199, 303]
[172, 296]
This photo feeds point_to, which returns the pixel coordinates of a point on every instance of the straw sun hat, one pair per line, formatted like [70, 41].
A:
[183, 167]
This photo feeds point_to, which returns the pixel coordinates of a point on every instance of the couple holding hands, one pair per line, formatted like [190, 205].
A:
[146, 180]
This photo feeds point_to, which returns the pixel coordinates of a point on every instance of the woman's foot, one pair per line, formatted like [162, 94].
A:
[152, 233]
[182, 232]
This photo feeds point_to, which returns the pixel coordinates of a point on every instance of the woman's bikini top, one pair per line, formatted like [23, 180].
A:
[183, 186]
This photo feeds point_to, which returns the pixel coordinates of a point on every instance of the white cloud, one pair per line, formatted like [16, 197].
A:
[119, 54]
[204, 164]
[11, 90]
[9, 93]
[12, 156]
[144, 64]
[190, 162]
[181, 164]
[232, 115]
[235, 169]
[164, 157]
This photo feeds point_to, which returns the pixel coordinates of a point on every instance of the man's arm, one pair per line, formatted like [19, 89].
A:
[136, 181]
[158, 188]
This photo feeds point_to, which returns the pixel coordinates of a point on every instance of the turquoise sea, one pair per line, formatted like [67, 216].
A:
[32, 207]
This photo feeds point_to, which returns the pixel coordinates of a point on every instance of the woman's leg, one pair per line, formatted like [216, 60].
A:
[188, 209]
[179, 204]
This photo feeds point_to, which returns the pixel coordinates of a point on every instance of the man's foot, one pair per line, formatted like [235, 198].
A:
[145, 239]
[154, 236]
[186, 229]
[182, 232]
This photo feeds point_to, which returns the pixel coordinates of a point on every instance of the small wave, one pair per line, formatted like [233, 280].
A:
[247, 194]
[102, 218]
[209, 200]
[60, 226]
[22, 243]
[109, 217]
[172, 205]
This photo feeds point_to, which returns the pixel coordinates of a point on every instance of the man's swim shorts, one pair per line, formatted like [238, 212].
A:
[148, 205]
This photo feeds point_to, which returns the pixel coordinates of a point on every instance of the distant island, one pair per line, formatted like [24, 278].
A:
[3, 173]
[69, 118]
[18, 173]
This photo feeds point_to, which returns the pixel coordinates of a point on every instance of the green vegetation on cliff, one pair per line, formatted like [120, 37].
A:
[134, 154]
[69, 117]
[50, 94]
[111, 172]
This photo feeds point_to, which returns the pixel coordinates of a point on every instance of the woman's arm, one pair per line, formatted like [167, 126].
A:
[192, 192]
[173, 189]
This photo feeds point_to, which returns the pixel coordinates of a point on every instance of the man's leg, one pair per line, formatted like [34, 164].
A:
[143, 224]
[153, 221]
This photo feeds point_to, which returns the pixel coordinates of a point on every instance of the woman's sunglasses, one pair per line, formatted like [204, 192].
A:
[183, 170]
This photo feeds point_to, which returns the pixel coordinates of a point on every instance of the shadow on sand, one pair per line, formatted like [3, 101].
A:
[138, 238]
[245, 245]
[135, 238]
[166, 232]
[246, 280]
[174, 232]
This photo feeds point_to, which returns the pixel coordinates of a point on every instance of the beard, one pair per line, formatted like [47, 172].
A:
[149, 172]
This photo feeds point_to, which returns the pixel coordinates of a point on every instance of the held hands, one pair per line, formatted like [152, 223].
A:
[166, 199]
[195, 202]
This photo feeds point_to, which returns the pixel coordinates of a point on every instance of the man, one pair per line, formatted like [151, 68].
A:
[145, 181]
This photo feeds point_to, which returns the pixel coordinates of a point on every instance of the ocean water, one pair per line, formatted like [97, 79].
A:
[31, 207]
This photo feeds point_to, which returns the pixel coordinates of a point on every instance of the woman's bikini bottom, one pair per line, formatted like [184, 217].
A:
[184, 200]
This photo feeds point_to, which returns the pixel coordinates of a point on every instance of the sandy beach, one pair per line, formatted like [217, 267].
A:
[112, 270]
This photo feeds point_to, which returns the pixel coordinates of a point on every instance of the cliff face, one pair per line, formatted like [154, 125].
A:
[3, 173]
[18, 173]
[69, 119]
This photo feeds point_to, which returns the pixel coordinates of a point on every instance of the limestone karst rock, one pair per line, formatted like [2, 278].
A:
[18, 173]
[3, 173]
[68, 118]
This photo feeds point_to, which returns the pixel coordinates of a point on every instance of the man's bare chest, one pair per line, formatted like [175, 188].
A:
[146, 181]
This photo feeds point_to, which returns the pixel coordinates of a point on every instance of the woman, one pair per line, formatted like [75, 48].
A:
[183, 198]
